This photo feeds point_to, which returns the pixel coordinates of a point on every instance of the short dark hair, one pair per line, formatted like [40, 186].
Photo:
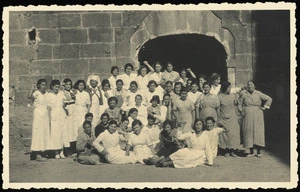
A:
[155, 98]
[86, 123]
[132, 110]
[152, 82]
[136, 122]
[196, 121]
[134, 82]
[120, 80]
[206, 83]
[168, 122]
[40, 81]
[112, 122]
[113, 98]
[169, 82]
[54, 82]
[105, 81]
[78, 82]
[113, 68]
[224, 86]
[128, 65]
[104, 114]
[67, 80]
[88, 115]
[210, 118]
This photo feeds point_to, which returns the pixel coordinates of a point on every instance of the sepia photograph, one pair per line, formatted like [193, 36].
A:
[178, 96]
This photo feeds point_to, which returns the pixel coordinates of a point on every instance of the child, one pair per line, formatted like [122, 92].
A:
[113, 111]
[120, 93]
[153, 131]
[114, 77]
[103, 124]
[128, 76]
[213, 134]
[85, 151]
[140, 141]
[132, 115]
[40, 124]
[194, 95]
[130, 95]
[107, 143]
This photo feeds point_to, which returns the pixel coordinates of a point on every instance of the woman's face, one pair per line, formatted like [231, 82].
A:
[104, 120]
[87, 129]
[228, 90]
[198, 126]
[157, 67]
[125, 123]
[183, 95]
[177, 89]
[201, 81]
[55, 88]
[133, 88]
[183, 74]
[136, 129]
[194, 88]
[43, 86]
[80, 86]
[168, 87]
[150, 121]
[134, 115]
[152, 87]
[128, 70]
[115, 72]
[209, 124]
[169, 67]
[119, 86]
[112, 104]
[250, 87]
[168, 129]
[68, 86]
[106, 86]
[166, 100]
[89, 118]
[138, 100]
[112, 128]
[143, 71]
[206, 89]
[217, 82]
[154, 103]
[93, 83]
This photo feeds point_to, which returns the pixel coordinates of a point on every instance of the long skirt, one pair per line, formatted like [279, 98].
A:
[79, 115]
[253, 127]
[69, 123]
[96, 114]
[117, 156]
[40, 140]
[188, 158]
[57, 129]
[142, 152]
[208, 112]
[230, 139]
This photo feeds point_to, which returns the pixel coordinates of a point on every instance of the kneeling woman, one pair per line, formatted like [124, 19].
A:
[196, 155]
[140, 141]
[107, 143]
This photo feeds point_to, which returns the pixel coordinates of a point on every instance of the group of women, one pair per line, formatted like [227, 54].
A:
[153, 117]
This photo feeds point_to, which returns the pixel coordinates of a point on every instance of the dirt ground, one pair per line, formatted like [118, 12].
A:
[270, 168]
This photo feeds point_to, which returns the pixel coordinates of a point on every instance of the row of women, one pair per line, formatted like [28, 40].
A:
[123, 119]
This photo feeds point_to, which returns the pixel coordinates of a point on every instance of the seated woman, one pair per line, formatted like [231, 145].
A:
[198, 152]
[167, 143]
[107, 143]
[140, 142]
[123, 132]
[153, 130]
[103, 125]
[86, 153]
[156, 110]
[142, 109]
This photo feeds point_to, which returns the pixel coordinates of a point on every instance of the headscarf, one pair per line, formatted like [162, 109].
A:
[93, 77]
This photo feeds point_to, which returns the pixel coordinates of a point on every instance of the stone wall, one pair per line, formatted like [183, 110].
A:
[76, 44]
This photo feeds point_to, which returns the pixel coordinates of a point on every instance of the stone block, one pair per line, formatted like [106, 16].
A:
[79, 66]
[195, 21]
[96, 20]
[41, 20]
[95, 50]
[124, 33]
[25, 82]
[13, 80]
[73, 36]
[140, 37]
[100, 35]
[133, 18]
[243, 46]
[241, 62]
[66, 51]
[21, 97]
[22, 52]
[122, 61]
[48, 36]
[13, 21]
[242, 77]
[241, 32]
[161, 23]
[18, 68]
[246, 16]
[116, 19]
[74, 78]
[44, 67]
[100, 66]
[181, 20]
[69, 20]
[44, 52]
[123, 49]
[17, 37]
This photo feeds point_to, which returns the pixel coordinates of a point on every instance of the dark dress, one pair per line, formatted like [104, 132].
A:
[167, 145]
[100, 129]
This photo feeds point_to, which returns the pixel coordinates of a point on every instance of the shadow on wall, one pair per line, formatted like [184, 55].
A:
[272, 76]
[203, 54]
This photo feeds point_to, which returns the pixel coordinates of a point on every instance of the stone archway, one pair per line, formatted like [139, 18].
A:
[163, 23]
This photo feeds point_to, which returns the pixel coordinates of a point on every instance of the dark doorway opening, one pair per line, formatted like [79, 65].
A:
[203, 54]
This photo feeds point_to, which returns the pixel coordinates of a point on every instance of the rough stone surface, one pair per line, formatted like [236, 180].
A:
[22, 53]
[79, 66]
[96, 20]
[123, 34]
[28, 21]
[73, 36]
[17, 37]
[44, 67]
[44, 52]
[66, 51]
[123, 49]
[69, 20]
[48, 36]
[18, 68]
[116, 19]
[95, 50]
[100, 35]
[100, 66]
[134, 18]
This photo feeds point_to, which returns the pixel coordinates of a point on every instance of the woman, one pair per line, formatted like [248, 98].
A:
[184, 76]
[143, 78]
[40, 125]
[215, 83]
[106, 92]
[253, 124]
[142, 109]
[130, 95]
[114, 77]
[209, 104]
[228, 118]
[156, 110]
[202, 80]
[169, 74]
[128, 76]
[153, 89]
[196, 155]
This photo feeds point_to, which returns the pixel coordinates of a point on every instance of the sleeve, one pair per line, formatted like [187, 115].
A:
[208, 150]
[35, 94]
[81, 142]
[163, 112]
[192, 106]
[88, 98]
[174, 108]
[148, 140]
[98, 142]
[183, 136]
[217, 101]
[129, 142]
[265, 98]
[219, 130]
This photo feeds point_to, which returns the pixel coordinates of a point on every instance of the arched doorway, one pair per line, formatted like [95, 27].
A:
[203, 54]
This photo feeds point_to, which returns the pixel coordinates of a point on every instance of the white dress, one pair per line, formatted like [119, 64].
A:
[130, 99]
[95, 108]
[110, 142]
[155, 76]
[140, 144]
[58, 131]
[214, 139]
[40, 125]
[105, 101]
[147, 95]
[112, 81]
[215, 89]
[70, 122]
[142, 113]
[194, 97]
[196, 155]
[153, 134]
[142, 82]
[82, 99]
[127, 79]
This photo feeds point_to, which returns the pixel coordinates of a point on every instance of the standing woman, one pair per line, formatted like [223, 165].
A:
[214, 80]
[128, 76]
[130, 95]
[82, 104]
[40, 125]
[58, 116]
[209, 104]
[106, 92]
[228, 118]
[202, 80]
[253, 124]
